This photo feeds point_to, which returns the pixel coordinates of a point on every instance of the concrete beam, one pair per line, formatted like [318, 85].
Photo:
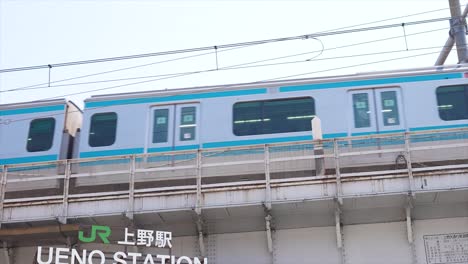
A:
[14, 232]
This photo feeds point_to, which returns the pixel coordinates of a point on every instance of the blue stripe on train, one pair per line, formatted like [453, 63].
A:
[175, 97]
[32, 110]
[382, 81]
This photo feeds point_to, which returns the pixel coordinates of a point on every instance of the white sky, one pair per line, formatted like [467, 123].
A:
[39, 32]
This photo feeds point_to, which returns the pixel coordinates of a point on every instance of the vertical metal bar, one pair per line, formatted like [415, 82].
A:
[199, 183]
[267, 177]
[131, 188]
[337, 171]
[408, 163]
[3, 183]
[66, 192]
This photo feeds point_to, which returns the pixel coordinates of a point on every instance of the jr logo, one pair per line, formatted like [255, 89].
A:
[102, 231]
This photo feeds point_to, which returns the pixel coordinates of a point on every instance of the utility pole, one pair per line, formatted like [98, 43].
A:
[449, 44]
[457, 34]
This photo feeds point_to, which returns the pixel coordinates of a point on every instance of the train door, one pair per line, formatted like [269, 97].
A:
[174, 127]
[376, 111]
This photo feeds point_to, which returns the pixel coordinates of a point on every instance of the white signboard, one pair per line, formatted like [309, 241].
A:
[446, 248]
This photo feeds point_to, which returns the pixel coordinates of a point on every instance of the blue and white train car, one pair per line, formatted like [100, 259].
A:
[280, 111]
[38, 131]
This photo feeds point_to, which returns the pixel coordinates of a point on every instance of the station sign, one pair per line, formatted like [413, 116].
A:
[101, 234]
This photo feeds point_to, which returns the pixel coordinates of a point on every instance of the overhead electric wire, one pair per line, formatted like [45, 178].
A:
[257, 82]
[219, 47]
[121, 69]
[243, 65]
[117, 70]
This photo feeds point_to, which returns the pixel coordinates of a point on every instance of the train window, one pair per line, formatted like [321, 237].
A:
[273, 116]
[187, 123]
[389, 108]
[41, 134]
[103, 129]
[160, 125]
[452, 102]
[361, 110]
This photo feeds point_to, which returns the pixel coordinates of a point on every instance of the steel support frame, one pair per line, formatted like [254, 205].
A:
[339, 231]
[131, 189]
[409, 166]
[199, 204]
[409, 228]
[66, 192]
[339, 189]
[268, 203]
[3, 183]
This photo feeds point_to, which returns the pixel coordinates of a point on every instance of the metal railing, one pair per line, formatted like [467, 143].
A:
[404, 155]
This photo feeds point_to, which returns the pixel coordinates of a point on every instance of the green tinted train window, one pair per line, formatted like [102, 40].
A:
[361, 110]
[452, 102]
[41, 134]
[273, 116]
[188, 123]
[103, 129]
[389, 105]
[160, 125]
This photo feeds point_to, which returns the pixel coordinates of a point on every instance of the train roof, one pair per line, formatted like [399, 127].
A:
[267, 84]
[39, 103]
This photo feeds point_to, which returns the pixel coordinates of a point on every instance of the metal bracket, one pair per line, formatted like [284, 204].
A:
[339, 190]
[131, 189]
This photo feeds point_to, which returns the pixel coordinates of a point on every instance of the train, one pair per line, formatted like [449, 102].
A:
[379, 102]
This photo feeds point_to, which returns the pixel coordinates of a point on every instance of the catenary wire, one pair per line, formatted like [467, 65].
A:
[240, 66]
[340, 28]
[219, 47]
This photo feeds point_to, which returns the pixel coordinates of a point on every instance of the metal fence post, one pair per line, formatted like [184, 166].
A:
[3, 182]
[267, 178]
[66, 192]
[199, 183]
[408, 163]
[131, 188]
[337, 171]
